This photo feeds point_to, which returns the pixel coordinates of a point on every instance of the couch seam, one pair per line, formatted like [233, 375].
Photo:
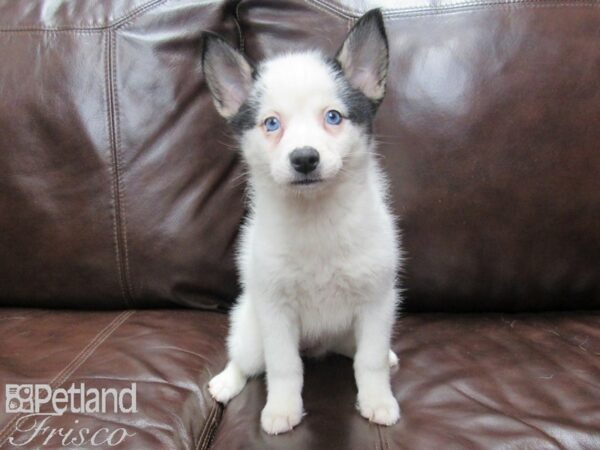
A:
[118, 22]
[329, 9]
[382, 438]
[210, 428]
[75, 364]
[119, 160]
[505, 413]
[527, 4]
[126, 19]
[213, 420]
[110, 130]
[396, 13]
[238, 24]
[121, 254]
[125, 22]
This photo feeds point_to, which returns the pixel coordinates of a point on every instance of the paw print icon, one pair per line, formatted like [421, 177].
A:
[19, 398]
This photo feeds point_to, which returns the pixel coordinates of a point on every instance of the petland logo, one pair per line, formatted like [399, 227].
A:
[29, 400]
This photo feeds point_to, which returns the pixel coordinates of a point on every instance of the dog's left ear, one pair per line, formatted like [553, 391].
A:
[364, 55]
[228, 74]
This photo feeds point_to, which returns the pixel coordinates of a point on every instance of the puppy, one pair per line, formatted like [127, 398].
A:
[319, 254]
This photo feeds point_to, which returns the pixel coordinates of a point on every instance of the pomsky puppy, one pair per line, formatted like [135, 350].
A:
[319, 254]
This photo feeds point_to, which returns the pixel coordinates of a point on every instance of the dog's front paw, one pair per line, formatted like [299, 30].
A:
[280, 416]
[227, 384]
[382, 409]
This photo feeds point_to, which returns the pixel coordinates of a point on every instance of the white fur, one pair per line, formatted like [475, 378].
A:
[318, 263]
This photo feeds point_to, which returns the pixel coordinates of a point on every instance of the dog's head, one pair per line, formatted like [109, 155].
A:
[302, 118]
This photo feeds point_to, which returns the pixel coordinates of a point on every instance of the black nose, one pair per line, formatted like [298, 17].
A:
[305, 159]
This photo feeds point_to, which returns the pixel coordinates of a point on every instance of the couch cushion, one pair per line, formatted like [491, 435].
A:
[169, 354]
[60, 15]
[464, 381]
[116, 176]
[489, 133]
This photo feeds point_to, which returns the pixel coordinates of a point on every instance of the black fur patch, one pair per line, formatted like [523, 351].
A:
[361, 109]
[245, 119]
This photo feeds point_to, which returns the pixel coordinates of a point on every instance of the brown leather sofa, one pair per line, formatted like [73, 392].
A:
[121, 197]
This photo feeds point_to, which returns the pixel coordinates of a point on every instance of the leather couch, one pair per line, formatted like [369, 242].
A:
[121, 197]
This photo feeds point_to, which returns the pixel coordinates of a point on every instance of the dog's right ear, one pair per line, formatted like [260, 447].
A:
[364, 56]
[228, 74]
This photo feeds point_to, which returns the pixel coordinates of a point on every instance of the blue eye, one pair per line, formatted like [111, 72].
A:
[272, 123]
[333, 117]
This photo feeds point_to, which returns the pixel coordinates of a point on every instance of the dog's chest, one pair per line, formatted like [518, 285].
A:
[324, 266]
[325, 289]
[325, 272]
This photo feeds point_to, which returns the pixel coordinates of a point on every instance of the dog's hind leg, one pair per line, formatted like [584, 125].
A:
[246, 356]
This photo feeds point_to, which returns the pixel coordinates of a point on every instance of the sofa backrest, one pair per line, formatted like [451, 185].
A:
[116, 180]
[119, 186]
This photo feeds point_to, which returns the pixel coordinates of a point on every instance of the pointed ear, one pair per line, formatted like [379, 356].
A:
[228, 74]
[364, 55]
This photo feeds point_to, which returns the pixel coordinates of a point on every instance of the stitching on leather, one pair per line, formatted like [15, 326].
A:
[392, 14]
[119, 164]
[204, 432]
[75, 364]
[213, 419]
[324, 9]
[528, 4]
[451, 6]
[217, 421]
[350, 23]
[505, 413]
[391, 11]
[379, 438]
[238, 24]
[336, 10]
[125, 18]
[113, 190]
[114, 169]
[206, 425]
[383, 436]
[210, 428]
[52, 30]
[141, 11]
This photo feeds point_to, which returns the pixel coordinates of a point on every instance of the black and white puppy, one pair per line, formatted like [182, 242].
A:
[319, 254]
